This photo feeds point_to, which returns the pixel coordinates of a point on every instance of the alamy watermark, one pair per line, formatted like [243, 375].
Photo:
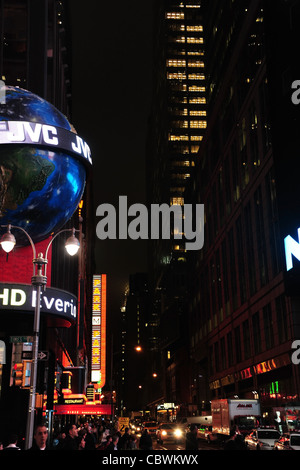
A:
[162, 221]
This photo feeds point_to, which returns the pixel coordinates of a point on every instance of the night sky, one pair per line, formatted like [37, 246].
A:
[111, 96]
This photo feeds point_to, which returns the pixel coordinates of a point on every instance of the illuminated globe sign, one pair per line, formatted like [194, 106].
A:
[43, 164]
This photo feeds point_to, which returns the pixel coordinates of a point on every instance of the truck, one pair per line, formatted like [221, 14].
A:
[241, 414]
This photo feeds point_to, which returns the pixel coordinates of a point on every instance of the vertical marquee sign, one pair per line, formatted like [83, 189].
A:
[99, 330]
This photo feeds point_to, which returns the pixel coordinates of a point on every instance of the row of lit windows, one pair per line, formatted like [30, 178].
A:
[180, 176]
[185, 100]
[197, 100]
[175, 16]
[182, 27]
[187, 39]
[186, 112]
[182, 63]
[184, 52]
[183, 87]
[192, 124]
[177, 201]
[184, 138]
[183, 163]
[182, 76]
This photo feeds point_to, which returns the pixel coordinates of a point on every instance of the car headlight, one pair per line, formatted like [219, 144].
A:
[164, 433]
[177, 433]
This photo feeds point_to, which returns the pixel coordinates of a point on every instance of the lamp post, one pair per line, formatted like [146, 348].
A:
[38, 281]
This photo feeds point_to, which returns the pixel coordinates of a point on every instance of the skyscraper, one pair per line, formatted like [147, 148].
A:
[177, 126]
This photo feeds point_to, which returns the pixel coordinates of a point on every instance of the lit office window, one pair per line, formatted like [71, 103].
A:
[197, 100]
[174, 16]
[197, 113]
[176, 63]
[196, 76]
[194, 28]
[177, 201]
[195, 63]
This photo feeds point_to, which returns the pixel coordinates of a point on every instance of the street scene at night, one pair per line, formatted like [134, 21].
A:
[150, 228]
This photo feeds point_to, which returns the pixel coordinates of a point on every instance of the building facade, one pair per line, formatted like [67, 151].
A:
[35, 56]
[177, 125]
[243, 304]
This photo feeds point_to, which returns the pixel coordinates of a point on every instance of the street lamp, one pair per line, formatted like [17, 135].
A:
[38, 280]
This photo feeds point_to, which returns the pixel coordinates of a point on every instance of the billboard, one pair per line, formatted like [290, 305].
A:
[98, 359]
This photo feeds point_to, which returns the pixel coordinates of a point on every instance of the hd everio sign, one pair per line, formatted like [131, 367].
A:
[22, 297]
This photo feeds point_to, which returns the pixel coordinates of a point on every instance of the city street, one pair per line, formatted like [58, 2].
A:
[170, 446]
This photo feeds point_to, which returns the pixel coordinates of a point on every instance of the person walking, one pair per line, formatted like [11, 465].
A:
[124, 440]
[145, 441]
[191, 441]
[90, 443]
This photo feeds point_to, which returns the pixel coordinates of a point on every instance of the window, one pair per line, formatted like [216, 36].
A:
[238, 349]
[261, 236]
[256, 333]
[223, 353]
[241, 260]
[229, 349]
[268, 326]
[250, 249]
[246, 339]
[281, 316]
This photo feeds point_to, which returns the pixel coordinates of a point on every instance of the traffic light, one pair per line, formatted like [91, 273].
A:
[18, 374]
[21, 374]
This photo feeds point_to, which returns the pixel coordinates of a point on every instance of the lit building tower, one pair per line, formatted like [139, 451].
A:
[177, 125]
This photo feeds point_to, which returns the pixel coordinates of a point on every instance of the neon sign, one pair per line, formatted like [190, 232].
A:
[291, 247]
[98, 330]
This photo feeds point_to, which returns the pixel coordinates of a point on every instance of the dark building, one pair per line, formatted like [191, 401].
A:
[176, 127]
[137, 379]
[35, 55]
[243, 312]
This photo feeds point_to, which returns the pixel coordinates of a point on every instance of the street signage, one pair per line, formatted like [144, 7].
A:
[21, 339]
[43, 355]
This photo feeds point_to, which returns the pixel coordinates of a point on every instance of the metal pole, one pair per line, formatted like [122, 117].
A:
[33, 374]
[38, 281]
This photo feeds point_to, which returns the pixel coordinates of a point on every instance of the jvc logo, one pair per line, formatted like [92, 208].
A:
[291, 247]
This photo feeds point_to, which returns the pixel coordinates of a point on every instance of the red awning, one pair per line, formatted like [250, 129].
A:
[83, 409]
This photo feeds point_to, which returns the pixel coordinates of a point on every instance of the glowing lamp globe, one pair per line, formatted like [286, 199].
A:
[43, 165]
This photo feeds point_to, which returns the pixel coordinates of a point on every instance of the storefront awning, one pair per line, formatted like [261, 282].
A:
[83, 409]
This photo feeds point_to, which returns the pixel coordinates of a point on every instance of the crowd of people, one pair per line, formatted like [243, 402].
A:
[87, 436]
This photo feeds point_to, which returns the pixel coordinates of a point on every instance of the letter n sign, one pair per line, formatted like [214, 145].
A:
[292, 247]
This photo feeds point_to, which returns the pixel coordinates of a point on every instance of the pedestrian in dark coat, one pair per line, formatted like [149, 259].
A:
[71, 440]
[145, 441]
[191, 441]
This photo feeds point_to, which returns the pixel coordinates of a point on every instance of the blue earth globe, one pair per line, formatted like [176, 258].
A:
[40, 188]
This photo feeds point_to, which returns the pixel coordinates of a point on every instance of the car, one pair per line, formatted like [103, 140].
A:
[262, 438]
[136, 428]
[204, 432]
[288, 441]
[209, 435]
[169, 432]
[151, 427]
